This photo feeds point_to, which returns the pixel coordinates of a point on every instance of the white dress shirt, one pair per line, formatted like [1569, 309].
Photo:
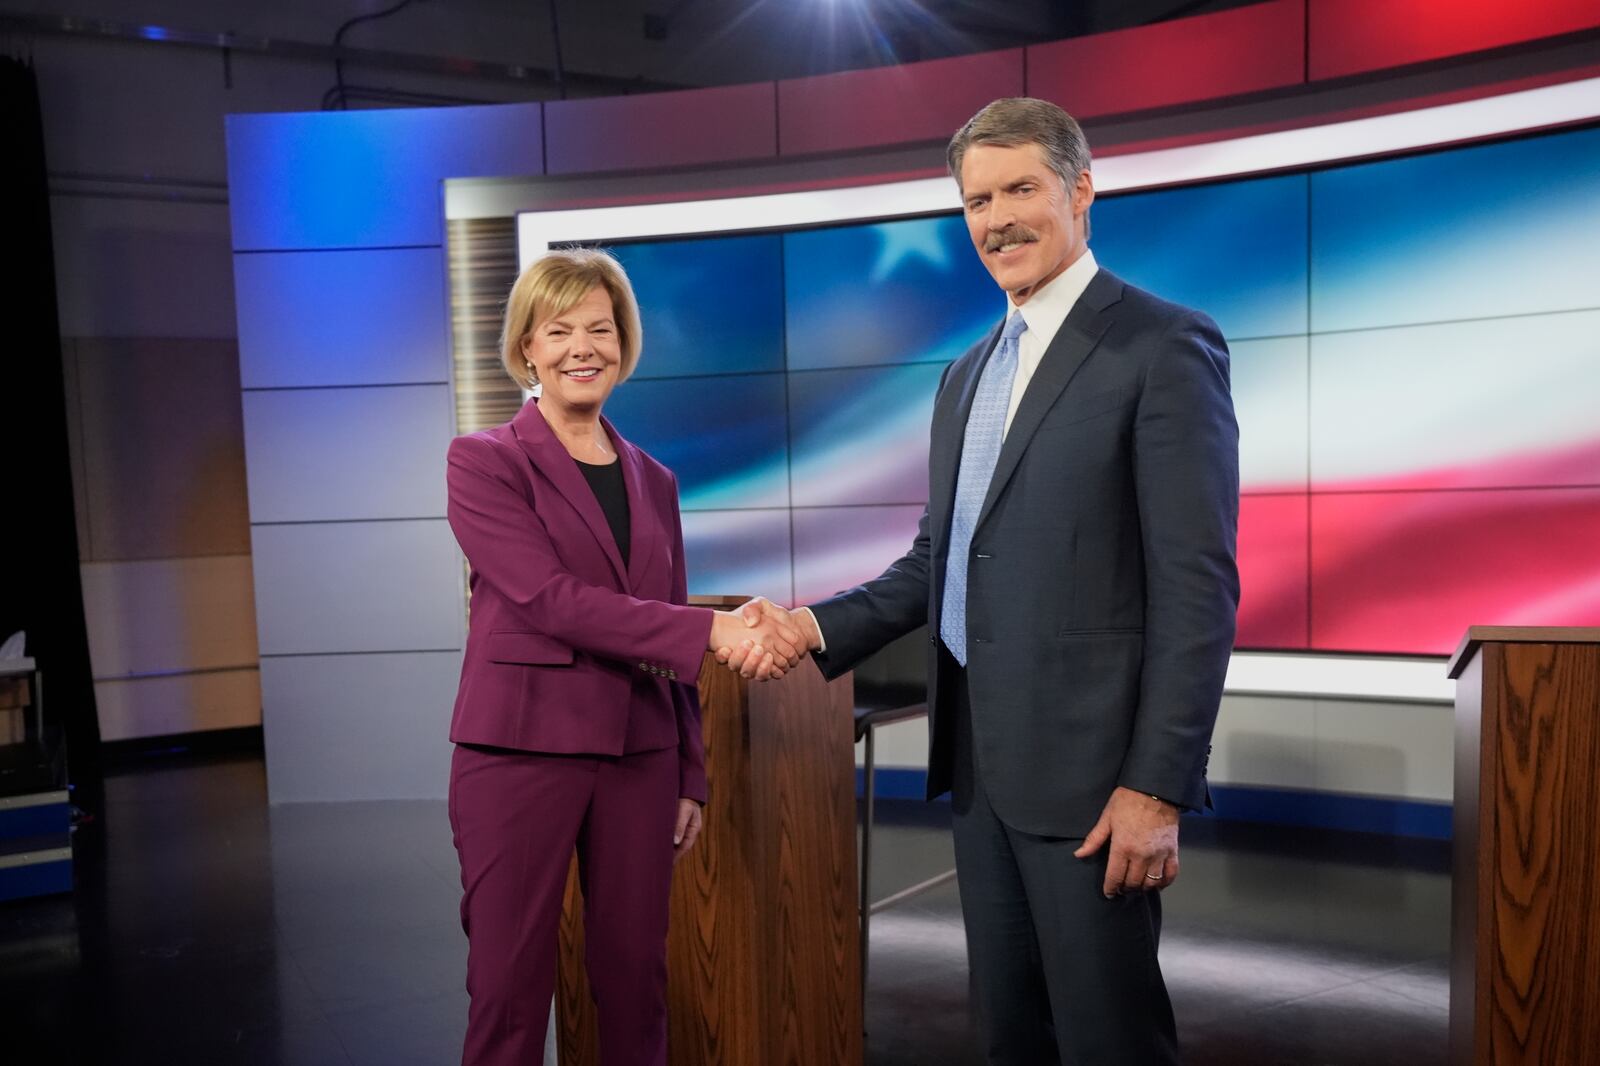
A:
[1044, 312]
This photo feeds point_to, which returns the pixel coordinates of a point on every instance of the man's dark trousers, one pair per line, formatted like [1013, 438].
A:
[1059, 972]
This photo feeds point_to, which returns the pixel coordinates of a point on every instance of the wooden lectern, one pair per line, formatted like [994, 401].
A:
[1525, 921]
[762, 955]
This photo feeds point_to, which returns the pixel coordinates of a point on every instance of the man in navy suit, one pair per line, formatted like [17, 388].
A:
[1075, 568]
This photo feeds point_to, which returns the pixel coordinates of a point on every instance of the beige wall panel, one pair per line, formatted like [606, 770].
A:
[187, 703]
[163, 444]
[169, 615]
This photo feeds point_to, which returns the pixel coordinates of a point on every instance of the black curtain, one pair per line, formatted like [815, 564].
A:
[39, 584]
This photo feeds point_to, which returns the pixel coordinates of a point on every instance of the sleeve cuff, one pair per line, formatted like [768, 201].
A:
[822, 641]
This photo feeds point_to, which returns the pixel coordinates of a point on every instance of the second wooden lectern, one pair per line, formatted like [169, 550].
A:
[762, 958]
[1525, 921]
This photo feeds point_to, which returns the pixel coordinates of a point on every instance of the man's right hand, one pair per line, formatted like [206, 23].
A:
[749, 658]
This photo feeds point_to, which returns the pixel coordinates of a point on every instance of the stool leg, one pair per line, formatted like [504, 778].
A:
[866, 860]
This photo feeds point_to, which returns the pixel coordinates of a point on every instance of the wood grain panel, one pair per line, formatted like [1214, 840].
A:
[762, 959]
[1544, 958]
[811, 955]
[1472, 810]
[713, 990]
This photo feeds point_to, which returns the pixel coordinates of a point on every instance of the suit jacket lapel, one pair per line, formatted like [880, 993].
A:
[1077, 337]
[542, 446]
[641, 531]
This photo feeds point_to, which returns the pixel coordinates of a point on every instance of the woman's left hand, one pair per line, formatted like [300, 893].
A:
[687, 829]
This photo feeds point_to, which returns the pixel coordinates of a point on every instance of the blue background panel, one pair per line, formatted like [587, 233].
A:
[909, 291]
[725, 437]
[1235, 251]
[361, 317]
[367, 179]
[708, 307]
[1499, 229]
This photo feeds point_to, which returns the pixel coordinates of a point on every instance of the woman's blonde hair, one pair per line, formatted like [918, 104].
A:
[551, 286]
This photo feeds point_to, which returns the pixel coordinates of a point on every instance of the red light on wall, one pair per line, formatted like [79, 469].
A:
[1358, 36]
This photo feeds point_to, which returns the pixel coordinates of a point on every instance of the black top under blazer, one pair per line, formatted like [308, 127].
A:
[1102, 584]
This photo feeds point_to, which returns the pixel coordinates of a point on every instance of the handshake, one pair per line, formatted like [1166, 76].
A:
[762, 640]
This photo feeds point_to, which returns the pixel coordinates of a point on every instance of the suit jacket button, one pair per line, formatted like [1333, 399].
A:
[644, 666]
[673, 674]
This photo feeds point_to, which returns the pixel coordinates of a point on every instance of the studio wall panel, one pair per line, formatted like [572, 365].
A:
[694, 126]
[1410, 571]
[1237, 250]
[1274, 583]
[1500, 229]
[860, 435]
[902, 744]
[358, 587]
[367, 178]
[1357, 36]
[724, 436]
[358, 727]
[142, 268]
[358, 453]
[1270, 381]
[117, 107]
[164, 616]
[925, 101]
[739, 553]
[1499, 403]
[366, 317]
[1385, 749]
[838, 547]
[903, 291]
[180, 703]
[1206, 57]
[1265, 741]
[161, 441]
[687, 333]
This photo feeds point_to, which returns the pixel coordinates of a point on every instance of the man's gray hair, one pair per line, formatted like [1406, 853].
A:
[1019, 120]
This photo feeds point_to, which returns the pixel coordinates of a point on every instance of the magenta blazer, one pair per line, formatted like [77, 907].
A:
[567, 650]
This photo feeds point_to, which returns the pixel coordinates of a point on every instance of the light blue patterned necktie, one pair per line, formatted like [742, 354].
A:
[986, 426]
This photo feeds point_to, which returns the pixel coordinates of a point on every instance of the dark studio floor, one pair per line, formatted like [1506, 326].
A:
[210, 929]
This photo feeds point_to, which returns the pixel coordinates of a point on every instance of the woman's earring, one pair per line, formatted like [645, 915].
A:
[533, 378]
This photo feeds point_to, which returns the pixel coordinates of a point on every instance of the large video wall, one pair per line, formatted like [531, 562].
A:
[1416, 369]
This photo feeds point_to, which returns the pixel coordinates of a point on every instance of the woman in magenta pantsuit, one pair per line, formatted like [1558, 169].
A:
[577, 724]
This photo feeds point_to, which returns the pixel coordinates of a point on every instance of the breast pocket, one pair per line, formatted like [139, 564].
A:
[1073, 411]
[529, 649]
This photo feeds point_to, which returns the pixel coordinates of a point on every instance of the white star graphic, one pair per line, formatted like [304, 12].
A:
[904, 239]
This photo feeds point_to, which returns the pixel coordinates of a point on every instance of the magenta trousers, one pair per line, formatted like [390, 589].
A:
[517, 816]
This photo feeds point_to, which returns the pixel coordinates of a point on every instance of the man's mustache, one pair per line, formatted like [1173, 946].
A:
[1014, 234]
